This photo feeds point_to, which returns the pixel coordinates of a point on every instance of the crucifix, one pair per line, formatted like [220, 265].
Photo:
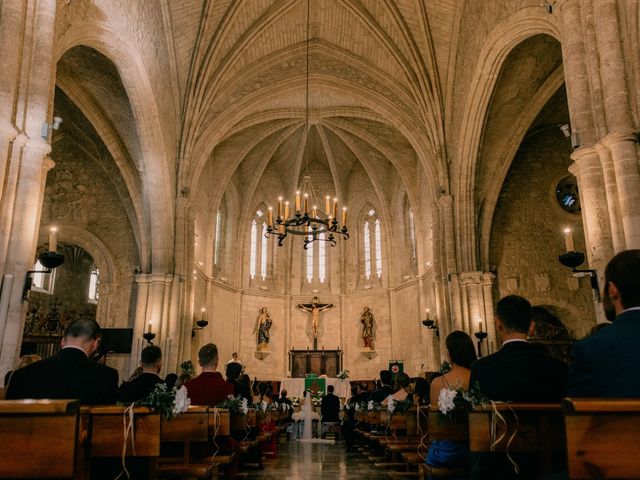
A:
[315, 308]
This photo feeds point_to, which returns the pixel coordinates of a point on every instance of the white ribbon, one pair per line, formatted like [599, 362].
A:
[128, 429]
[216, 426]
[497, 416]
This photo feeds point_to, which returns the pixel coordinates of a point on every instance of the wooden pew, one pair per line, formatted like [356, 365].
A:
[444, 430]
[39, 437]
[603, 438]
[539, 431]
[102, 436]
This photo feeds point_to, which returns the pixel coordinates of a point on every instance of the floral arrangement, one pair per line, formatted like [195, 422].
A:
[316, 402]
[237, 404]
[261, 406]
[170, 402]
[188, 368]
[343, 375]
[399, 406]
[285, 407]
[455, 401]
[295, 402]
[445, 367]
[374, 406]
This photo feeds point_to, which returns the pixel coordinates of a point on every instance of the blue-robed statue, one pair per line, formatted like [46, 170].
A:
[263, 327]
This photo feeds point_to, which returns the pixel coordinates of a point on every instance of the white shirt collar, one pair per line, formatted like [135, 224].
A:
[632, 309]
[513, 340]
[76, 347]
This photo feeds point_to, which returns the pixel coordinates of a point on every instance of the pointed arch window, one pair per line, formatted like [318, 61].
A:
[412, 237]
[217, 246]
[259, 254]
[372, 245]
[94, 284]
[316, 261]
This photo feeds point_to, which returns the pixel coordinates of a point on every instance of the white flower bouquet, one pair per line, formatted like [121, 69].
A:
[454, 402]
[170, 402]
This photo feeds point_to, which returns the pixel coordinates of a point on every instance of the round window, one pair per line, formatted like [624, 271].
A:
[567, 194]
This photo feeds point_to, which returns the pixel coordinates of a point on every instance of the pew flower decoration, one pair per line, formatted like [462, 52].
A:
[262, 406]
[285, 407]
[454, 401]
[295, 402]
[316, 402]
[398, 406]
[237, 404]
[343, 375]
[169, 402]
[187, 367]
[374, 406]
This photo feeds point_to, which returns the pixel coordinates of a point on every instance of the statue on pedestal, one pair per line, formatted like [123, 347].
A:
[366, 319]
[262, 328]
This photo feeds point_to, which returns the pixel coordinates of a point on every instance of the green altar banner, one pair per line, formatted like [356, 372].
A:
[396, 367]
[317, 386]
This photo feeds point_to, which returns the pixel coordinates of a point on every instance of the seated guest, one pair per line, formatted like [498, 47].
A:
[420, 392]
[330, 406]
[283, 400]
[263, 393]
[143, 384]
[208, 388]
[22, 362]
[232, 373]
[170, 380]
[605, 364]
[243, 387]
[70, 373]
[384, 390]
[401, 394]
[461, 353]
[519, 371]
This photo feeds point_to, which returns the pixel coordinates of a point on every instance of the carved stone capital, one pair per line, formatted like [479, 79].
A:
[614, 138]
[488, 278]
[471, 278]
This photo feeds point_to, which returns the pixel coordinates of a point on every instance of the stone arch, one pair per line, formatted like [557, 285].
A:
[157, 178]
[503, 39]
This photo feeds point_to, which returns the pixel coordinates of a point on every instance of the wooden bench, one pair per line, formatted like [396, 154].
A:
[444, 430]
[39, 438]
[602, 438]
[102, 436]
[539, 432]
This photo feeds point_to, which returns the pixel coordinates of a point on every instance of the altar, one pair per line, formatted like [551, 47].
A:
[320, 362]
[295, 387]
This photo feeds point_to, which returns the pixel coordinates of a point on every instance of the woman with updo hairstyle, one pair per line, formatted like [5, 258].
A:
[462, 353]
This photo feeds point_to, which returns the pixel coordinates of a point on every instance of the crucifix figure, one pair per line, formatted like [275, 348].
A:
[315, 308]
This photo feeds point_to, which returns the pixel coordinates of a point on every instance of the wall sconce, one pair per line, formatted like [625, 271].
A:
[49, 260]
[200, 324]
[149, 335]
[431, 324]
[480, 335]
[48, 128]
[573, 260]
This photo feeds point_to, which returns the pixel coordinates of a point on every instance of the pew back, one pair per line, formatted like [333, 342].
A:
[443, 429]
[40, 437]
[603, 437]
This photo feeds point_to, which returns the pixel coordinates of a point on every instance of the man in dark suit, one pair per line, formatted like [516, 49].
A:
[605, 364]
[385, 389]
[143, 384]
[208, 388]
[330, 407]
[519, 371]
[70, 373]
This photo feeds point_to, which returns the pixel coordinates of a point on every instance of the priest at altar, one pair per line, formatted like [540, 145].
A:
[295, 386]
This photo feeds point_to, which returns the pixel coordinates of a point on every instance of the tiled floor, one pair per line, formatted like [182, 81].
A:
[298, 461]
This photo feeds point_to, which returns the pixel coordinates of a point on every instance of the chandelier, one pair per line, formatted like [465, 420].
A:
[314, 224]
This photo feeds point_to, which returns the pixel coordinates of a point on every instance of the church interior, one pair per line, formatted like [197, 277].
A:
[318, 186]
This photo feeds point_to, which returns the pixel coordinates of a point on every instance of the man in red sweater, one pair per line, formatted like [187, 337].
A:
[208, 388]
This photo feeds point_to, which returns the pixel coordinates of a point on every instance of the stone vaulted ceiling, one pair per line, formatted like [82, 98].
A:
[374, 99]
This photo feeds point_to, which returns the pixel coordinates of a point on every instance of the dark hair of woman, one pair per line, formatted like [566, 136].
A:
[461, 349]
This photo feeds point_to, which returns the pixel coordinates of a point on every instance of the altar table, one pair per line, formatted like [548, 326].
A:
[295, 387]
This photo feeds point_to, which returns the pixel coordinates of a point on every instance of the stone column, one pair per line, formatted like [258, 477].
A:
[625, 163]
[487, 297]
[613, 203]
[595, 213]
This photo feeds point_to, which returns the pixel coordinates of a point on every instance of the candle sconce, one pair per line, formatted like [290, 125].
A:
[200, 324]
[50, 261]
[480, 336]
[573, 260]
[431, 324]
[149, 336]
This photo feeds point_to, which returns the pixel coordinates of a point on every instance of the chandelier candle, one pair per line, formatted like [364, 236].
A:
[279, 207]
[286, 210]
[53, 239]
[327, 205]
[297, 201]
[306, 203]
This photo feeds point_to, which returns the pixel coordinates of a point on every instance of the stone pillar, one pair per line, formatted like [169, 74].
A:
[625, 163]
[595, 213]
[487, 297]
[613, 202]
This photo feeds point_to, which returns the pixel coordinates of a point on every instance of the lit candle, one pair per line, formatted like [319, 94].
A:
[344, 217]
[568, 239]
[306, 203]
[335, 208]
[149, 328]
[314, 212]
[270, 222]
[279, 207]
[327, 205]
[480, 326]
[286, 210]
[298, 201]
[427, 314]
[53, 239]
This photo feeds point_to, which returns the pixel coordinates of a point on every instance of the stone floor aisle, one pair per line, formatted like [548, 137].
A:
[306, 461]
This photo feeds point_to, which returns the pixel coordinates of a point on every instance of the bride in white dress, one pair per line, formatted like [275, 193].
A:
[307, 415]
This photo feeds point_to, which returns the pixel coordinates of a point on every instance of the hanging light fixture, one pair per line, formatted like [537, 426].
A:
[307, 218]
